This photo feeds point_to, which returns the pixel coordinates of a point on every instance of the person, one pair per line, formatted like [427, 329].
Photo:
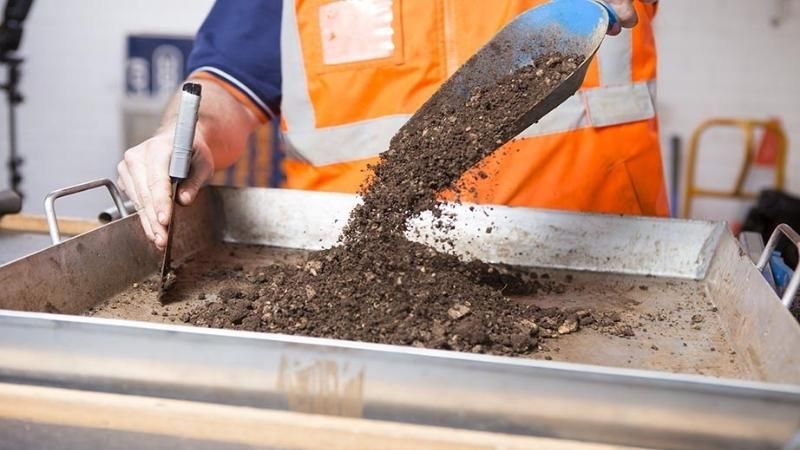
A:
[343, 76]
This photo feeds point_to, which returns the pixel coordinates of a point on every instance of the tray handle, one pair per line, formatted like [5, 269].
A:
[794, 283]
[50, 202]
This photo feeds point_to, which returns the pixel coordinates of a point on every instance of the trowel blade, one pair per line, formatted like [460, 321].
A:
[168, 276]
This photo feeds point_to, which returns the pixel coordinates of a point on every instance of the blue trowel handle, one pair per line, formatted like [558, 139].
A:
[612, 16]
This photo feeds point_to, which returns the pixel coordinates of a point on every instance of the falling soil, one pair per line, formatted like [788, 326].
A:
[377, 286]
[444, 139]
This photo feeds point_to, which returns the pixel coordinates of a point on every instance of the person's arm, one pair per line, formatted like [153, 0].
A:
[625, 13]
[223, 126]
[236, 58]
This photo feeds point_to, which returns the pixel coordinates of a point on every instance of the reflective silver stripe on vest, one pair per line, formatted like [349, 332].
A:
[614, 59]
[296, 107]
[618, 101]
[351, 142]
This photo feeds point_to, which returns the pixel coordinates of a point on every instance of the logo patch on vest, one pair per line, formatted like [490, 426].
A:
[356, 30]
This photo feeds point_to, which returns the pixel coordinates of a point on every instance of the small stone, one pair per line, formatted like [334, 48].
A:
[313, 267]
[697, 318]
[437, 329]
[228, 293]
[201, 296]
[586, 320]
[458, 311]
[520, 342]
[310, 292]
[135, 285]
[654, 347]
[528, 326]
[548, 322]
[548, 333]
[569, 326]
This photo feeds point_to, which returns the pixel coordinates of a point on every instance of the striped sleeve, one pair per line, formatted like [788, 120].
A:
[239, 45]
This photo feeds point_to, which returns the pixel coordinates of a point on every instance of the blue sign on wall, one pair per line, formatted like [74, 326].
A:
[156, 65]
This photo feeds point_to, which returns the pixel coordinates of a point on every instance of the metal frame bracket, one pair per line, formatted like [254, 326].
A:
[50, 202]
[794, 283]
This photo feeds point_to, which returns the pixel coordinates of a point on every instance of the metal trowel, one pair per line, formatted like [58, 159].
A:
[179, 165]
[575, 27]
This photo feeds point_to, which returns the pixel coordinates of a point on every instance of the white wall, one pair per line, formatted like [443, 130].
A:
[73, 81]
[718, 58]
[725, 58]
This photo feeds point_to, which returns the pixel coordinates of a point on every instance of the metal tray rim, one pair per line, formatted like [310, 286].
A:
[687, 380]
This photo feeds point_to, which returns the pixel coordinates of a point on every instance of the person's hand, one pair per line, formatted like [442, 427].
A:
[625, 13]
[144, 177]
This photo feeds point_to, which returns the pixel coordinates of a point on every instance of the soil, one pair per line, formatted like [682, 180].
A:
[422, 298]
[444, 139]
[377, 286]
[660, 316]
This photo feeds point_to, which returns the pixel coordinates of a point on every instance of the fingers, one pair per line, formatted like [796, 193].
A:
[626, 14]
[160, 187]
[139, 173]
[127, 185]
[201, 173]
[144, 177]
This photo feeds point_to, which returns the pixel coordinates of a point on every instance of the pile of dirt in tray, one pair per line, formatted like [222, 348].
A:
[422, 298]
[379, 287]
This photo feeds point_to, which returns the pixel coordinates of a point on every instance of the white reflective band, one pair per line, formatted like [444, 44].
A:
[597, 107]
[614, 59]
[351, 142]
[653, 86]
[296, 106]
[619, 104]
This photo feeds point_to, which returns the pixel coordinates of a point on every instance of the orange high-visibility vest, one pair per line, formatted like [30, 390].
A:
[354, 72]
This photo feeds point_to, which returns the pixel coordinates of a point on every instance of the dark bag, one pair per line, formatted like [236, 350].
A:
[774, 208]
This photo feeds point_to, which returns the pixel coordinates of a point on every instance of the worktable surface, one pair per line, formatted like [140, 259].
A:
[15, 244]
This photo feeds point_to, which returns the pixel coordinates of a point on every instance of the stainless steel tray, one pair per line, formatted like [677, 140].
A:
[752, 401]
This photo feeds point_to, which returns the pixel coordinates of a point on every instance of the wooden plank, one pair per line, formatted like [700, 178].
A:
[34, 223]
[248, 426]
